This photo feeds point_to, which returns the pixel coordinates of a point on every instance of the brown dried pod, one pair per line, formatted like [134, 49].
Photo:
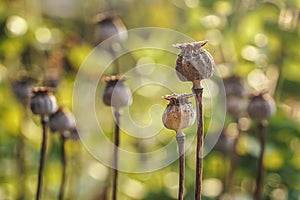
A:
[61, 121]
[43, 102]
[179, 113]
[107, 25]
[21, 88]
[194, 62]
[116, 94]
[261, 106]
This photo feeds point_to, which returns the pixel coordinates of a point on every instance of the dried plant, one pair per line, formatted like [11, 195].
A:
[195, 64]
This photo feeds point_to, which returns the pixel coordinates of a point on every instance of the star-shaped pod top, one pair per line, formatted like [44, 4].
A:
[194, 62]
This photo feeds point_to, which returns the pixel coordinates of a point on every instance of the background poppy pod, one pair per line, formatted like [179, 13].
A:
[43, 102]
[61, 121]
[116, 94]
[261, 106]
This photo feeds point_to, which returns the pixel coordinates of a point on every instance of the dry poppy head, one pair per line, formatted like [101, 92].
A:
[179, 113]
[194, 62]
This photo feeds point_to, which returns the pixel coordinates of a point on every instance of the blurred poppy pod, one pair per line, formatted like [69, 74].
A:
[233, 86]
[107, 25]
[43, 102]
[261, 106]
[179, 113]
[194, 62]
[62, 120]
[234, 96]
[21, 88]
[116, 94]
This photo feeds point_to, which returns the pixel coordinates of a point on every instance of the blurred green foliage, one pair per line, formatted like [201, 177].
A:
[257, 40]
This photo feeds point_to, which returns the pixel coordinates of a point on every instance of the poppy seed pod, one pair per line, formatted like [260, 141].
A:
[43, 102]
[233, 86]
[107, 25]
[234, 96]
[61, 121]
[21, 88]
[194, 62]
[261, 106]
[116, 94]
[179, 113]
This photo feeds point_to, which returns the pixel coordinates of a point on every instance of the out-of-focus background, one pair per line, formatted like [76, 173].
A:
[255, 40]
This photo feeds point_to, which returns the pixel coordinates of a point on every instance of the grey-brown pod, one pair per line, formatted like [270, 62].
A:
[108, 24]
[43, 102]
[194, 62]
[261, 106]
[179, 113]
[22, 88]
[62, 120]
[116, 94]
[233, 86]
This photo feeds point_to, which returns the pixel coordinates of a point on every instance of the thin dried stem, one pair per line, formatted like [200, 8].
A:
[44, 122]
[64, 168]
[198, 91]
[21, 148]
[180, 141]
[234, 161]
[261, 171]
[116, 153]
[21, 155]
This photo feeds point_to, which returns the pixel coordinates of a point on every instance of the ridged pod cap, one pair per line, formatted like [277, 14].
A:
[179, 113]
[116, 94]
[194, 62]
[261, 106]
[43, 102]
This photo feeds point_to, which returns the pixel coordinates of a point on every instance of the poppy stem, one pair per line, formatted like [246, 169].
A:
[116, 153]
[44, 122]
[260, 174]
[64, 167]
[180, 138]
[198, 91]
[233, 161]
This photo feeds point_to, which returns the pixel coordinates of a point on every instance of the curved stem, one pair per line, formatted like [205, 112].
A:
[44, 122]
[260, 174]
[198, 91]
[116, 153]
[180, 141]
[64, 167]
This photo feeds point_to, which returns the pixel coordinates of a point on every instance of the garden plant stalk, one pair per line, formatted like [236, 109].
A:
[116, 153]
[64, 168]
[260, 173]
[180, 141]
[198, 91]
[44, 122]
